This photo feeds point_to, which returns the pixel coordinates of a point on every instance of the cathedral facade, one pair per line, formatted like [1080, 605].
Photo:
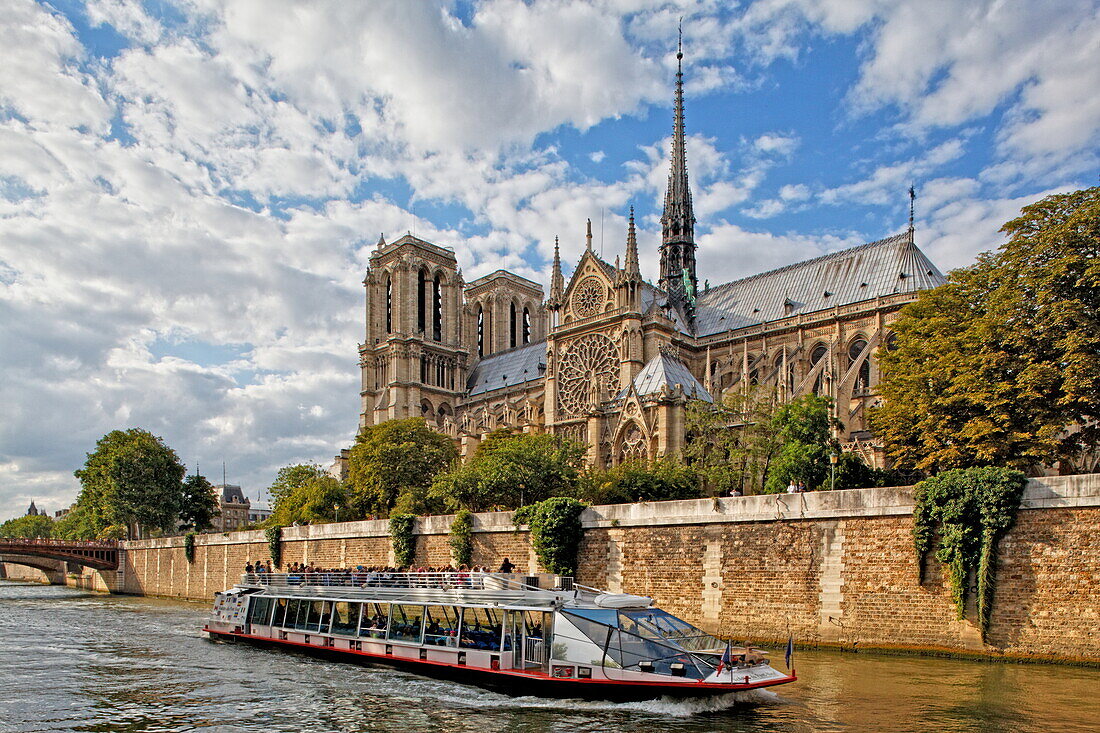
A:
[611, 359]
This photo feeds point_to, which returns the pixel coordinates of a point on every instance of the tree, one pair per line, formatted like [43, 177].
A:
[630, 481]
[511, 470]
[76, 525]
[198, 504]
[804, 430]
[731, 444]
[393, 457]
[31, 526]
[290, 478]
[313, 502]
[1001, 365]
[132, 478]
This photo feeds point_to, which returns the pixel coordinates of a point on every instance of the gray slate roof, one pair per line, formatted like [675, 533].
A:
[888, 266]
[507, 369]
[666, 370]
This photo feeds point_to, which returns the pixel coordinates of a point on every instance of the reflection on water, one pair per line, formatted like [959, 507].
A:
[74, 661]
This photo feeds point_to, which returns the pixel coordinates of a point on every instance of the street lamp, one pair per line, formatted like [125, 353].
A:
[337, 508]
[833, 458]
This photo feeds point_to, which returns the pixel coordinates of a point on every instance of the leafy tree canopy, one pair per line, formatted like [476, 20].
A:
[393, 456]
[131, 478]
[293, 477]
[313, 502]
[28, 527]
[76, 525]
[630, 481]
[1001, 365]
[731, 443]
[199, 504]
[510, 470]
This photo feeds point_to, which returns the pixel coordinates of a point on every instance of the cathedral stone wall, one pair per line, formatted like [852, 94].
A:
[833, 568]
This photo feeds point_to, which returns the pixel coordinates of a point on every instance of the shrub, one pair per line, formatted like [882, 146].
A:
[556, 532]
[275, 544]
[404, 542]
[189, 547]
[462, 538]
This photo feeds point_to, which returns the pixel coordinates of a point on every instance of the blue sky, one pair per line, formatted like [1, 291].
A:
[189, 191]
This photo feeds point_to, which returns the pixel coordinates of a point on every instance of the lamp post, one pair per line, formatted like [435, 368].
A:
[833, 458]
[337, 508]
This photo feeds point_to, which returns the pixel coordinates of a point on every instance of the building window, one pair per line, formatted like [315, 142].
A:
[817, 355]
[863, 377]
[512, 325]
[526, 326]
[437, 308]
[480, 332]
[389, 305]
[421, 294]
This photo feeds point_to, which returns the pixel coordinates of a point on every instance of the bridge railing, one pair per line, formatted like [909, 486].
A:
[72, 544]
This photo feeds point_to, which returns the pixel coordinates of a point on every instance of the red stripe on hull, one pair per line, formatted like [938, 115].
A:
[507, 680]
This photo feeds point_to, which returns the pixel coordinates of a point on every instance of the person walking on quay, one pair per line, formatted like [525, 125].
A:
[506, 567]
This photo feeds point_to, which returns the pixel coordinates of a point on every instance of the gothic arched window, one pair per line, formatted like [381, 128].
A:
[437, 308]
[512, 325]
[863, 378]
[480, 331]
[389, 305]
[819, 353]
[526, 326]
[421, 293]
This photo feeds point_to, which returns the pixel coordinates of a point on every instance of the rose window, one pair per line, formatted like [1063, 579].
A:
[589, 298]
[588, 374]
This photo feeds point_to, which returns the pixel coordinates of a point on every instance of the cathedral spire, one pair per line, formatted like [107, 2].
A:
[557, 282]
[631, 268]
[588, 237]
[678, 220]
[912, 208]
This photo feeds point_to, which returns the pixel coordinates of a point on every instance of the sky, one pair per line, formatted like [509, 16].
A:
[190, 191]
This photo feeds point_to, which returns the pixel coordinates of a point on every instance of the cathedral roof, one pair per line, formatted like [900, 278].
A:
[888, 266]
[664, 370]
[508, 368]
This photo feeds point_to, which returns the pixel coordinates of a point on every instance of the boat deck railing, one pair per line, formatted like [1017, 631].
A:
[391, 583]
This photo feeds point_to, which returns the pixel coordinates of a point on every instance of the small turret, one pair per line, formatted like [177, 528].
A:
[557, 282]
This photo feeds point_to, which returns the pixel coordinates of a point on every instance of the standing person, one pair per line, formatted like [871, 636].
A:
[802, 487]
[506, 567]
[792, 487]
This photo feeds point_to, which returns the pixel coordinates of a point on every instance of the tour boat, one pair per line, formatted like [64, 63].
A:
[535, 635]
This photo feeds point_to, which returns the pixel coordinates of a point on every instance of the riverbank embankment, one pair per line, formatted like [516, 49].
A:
[831, 568]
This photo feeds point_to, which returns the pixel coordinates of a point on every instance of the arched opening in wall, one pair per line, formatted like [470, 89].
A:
[632, 445]
[863, 375]
[437, 307]
[526, 326]
[440, 373]
[423, 370]
[480, 331]
[816, 356]
[427, 411]
[421, 294]
[891, 341]
[512, 325]
[389, 304]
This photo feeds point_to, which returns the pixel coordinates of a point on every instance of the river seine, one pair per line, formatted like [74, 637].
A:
[76, 661]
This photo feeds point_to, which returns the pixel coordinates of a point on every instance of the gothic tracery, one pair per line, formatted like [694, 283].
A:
[588, 373]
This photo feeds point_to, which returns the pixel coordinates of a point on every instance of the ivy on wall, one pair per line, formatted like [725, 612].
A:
[556, 532]
[275, 544]
[189, 547]
[404, 542]
[969, 510]
[462, 538]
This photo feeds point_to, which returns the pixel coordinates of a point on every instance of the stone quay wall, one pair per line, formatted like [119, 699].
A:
[832, 568]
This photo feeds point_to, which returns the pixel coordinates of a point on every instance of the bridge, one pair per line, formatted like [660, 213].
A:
[98, 554]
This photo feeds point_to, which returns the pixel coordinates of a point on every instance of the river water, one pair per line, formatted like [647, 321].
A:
[77, 661]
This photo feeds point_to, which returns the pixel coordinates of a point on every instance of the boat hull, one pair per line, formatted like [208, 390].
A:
[509, 682]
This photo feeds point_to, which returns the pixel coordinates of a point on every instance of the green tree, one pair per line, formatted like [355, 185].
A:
[198, 504]
[1001, 365]
[395, 457]
[28, 527]
[76, 525]
[510, 470]
[804, 430]
[311, 503]
[630, 481]
[132, 478]
[293, 477]
[731, 444]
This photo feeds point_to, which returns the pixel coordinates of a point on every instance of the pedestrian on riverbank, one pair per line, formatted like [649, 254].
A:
[506, 567]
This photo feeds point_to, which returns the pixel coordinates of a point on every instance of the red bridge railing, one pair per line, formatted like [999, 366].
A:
[101, 554]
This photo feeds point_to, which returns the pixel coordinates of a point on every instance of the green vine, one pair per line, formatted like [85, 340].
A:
[189, 547]
[970, 510]
[462, 538]
[556, 532]
[275, 544]
[404, 542]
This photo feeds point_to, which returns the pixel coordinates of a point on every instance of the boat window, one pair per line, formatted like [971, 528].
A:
[292, 608]
[406, 623]
[326, 617]
[634, 649]
[571, 644]
[259, 610]
[313, 616]
[301, 621]
[481, 629]
[280, 612]
[653, 623]
[345, 618]
[441, 625]
[376, 619]
[602, 615]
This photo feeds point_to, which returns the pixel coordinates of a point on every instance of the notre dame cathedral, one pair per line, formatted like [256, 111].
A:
[611, 359]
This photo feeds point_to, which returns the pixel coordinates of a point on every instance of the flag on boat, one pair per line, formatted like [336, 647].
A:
[727, 658]
[790, 652]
